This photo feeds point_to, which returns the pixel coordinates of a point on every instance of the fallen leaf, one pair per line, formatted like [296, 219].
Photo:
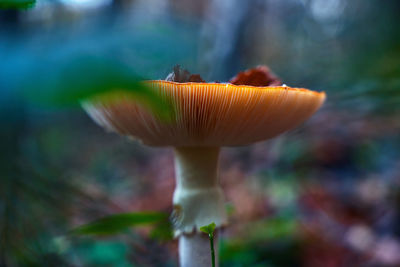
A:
[183, 76]
[258, 76]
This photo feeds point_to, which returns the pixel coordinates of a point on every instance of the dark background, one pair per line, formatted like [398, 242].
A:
[325, 194]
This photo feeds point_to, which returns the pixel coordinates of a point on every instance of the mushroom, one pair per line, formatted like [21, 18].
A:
[205, 117]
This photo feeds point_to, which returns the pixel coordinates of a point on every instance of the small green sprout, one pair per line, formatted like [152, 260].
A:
[209, 229]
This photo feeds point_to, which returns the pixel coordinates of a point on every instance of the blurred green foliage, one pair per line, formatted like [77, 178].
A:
[269, 242]
[104, 253]
[120, 222]
[17, 4]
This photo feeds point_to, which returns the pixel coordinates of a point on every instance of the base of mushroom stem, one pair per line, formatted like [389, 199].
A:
[195, 250]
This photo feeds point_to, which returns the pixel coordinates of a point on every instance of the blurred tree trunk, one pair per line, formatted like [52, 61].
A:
[117, 8]
[222, 32]
[120, 5]
[117, 4]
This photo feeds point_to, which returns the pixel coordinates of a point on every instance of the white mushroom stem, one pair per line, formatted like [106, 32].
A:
[198, 201]
[194, 250]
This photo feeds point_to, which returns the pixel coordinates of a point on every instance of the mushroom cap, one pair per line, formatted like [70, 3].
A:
[207, 114]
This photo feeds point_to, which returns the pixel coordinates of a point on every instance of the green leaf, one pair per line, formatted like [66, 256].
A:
[68, 83]
[17, 4]
[208, 229]
[120, 222]
[163, 231]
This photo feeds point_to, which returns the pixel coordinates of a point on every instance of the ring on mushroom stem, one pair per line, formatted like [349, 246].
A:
[198, 194]
[205, 117]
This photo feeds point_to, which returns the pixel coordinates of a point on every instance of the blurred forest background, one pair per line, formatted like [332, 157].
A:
[326, 194]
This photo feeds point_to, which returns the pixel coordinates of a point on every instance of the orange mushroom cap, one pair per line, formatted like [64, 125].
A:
[208, 114]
